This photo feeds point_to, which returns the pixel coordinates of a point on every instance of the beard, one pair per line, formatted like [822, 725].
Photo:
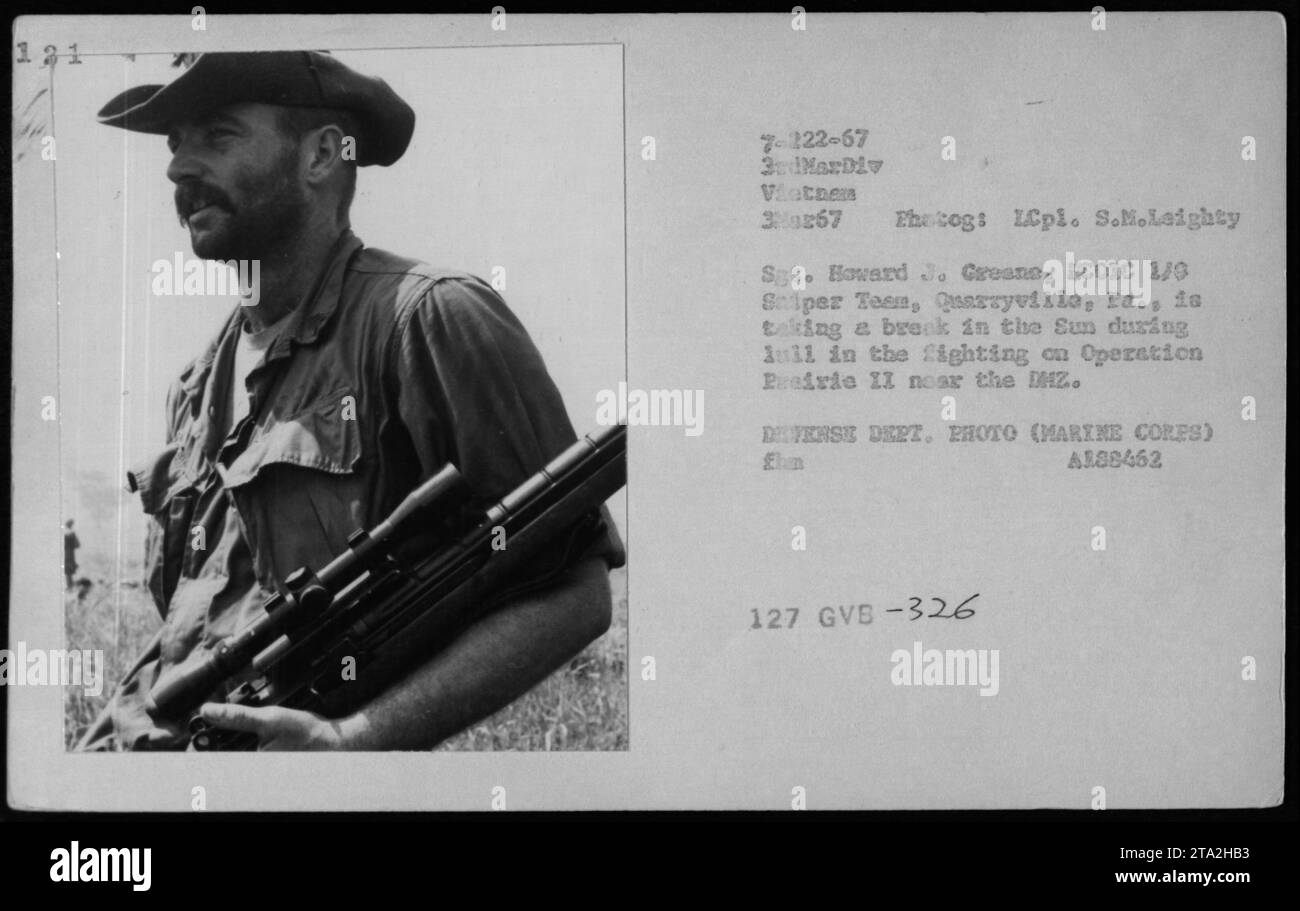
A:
[264, 225]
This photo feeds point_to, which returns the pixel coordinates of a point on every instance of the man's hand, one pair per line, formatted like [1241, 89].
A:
[279, 728]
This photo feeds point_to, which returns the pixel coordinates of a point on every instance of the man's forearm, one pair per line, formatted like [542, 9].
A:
[490, 665]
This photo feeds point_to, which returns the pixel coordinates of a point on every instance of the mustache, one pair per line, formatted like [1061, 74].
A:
[190, 197]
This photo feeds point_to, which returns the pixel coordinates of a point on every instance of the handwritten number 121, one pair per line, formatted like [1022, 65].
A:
[51, 54]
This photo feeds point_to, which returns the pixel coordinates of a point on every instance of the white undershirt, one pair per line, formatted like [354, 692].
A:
[249, 353]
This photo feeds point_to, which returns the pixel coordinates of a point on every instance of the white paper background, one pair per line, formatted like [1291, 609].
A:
[1118, 669]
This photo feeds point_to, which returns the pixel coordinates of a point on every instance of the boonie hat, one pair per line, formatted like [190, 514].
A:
[289, 78]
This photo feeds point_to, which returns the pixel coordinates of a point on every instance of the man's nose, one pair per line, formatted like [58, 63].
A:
[183, 166]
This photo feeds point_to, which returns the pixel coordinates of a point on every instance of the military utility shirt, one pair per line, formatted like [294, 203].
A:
[389, 370]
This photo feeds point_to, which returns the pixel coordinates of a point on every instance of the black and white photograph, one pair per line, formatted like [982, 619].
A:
[274, 385]
[778, 411]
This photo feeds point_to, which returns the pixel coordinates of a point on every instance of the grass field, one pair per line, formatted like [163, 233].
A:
[582, 706]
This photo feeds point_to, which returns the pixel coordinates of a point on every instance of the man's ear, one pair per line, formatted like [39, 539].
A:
[324, 152]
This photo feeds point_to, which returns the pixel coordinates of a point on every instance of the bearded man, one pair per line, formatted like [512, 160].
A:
[348, 377]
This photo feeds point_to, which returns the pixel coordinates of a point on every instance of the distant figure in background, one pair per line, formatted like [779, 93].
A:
[70, 545]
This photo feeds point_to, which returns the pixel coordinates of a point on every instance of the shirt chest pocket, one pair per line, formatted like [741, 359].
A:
[299, 487]
[169, 498]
